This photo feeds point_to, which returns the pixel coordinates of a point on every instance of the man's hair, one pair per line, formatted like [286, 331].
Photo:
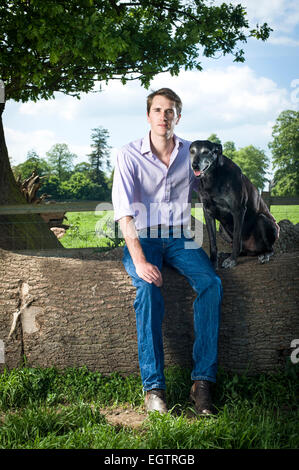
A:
[168, 93]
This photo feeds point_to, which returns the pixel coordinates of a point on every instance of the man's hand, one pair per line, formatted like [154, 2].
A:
[149, 273]
[145, 270]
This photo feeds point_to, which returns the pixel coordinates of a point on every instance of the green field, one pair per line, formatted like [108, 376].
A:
[83, 227]
[81, 233]
[286, 212]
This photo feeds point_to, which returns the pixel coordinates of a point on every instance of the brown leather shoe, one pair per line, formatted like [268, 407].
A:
[155, 401]
[200, 395]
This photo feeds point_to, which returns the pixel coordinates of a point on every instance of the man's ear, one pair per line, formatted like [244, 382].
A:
[178, 119]
[220, 154]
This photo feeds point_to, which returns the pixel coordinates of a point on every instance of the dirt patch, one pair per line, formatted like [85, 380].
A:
[124, 417]
[134, 419]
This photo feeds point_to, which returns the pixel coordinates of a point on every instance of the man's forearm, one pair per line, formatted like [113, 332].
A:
[145, 270]
[131, 238]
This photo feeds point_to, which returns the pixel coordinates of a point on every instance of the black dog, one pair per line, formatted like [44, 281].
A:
[228, 196]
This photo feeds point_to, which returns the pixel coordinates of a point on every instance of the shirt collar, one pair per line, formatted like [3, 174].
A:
[146, 145]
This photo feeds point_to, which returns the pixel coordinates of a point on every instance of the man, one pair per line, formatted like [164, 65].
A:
[151, 194]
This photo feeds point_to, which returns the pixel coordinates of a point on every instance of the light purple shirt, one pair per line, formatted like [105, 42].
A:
[143, 186]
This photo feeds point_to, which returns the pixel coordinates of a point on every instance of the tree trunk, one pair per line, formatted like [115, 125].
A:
[19, 231]
[66, 311]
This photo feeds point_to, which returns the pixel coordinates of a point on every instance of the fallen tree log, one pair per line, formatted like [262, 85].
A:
[61, 310]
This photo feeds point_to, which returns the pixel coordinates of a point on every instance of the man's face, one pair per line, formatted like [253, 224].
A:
[163, 116]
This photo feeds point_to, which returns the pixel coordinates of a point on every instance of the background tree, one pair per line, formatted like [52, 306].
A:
[229, 149]
[60, 160]
[254, 164]
[32, 163]
[252, 161]
[285, 153]
[80, 186]
[69, 45]
[99, 158]
[51, 186]
[83, 167]
[214, 138]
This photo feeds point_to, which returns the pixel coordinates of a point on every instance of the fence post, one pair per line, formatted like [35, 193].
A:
[266, 195]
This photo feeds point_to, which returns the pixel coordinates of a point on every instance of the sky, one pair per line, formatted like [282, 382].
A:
[238, 102]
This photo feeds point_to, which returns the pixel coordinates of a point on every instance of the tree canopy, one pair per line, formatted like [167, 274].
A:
[285, 152]
[99, 158]
[253, 161]
[60, 159]
[254, 164]
[69, 45]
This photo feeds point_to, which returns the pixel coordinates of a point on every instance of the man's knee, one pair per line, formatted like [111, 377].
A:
[146, 291]
[210, 281]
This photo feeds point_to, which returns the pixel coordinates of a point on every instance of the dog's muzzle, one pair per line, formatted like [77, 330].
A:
[199, 173]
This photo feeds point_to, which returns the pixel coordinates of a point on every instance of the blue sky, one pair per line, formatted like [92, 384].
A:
[238, 102]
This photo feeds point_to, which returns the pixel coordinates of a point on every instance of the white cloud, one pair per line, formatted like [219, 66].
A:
[284, 41]
[81, 151]
[232, 101]
[231, 95]
[281, 15]
[20, 142]
[64, 107]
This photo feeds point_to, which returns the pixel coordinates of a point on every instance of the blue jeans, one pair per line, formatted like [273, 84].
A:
[195, 265]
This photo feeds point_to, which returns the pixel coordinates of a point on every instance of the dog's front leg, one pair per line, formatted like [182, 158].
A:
[238, 217]
[211, 228]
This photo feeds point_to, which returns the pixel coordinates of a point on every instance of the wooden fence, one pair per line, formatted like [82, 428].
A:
[279, 200]
[76, 206]
[85, 206]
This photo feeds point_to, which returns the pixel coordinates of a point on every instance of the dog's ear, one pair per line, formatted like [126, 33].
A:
[220, 154]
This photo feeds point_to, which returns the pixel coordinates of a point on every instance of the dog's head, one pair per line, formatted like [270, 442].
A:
[205, 156]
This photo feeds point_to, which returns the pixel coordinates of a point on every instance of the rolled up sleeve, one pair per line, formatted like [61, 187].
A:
[123, 187]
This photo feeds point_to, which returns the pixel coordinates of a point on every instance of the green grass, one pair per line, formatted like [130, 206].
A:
[280, 212]
[47, 408]
[83, 226]
[88, 230]
[286, 212]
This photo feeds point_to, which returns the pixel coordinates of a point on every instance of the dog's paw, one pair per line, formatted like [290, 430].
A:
[265, 257]
[229, 263]
[222, 257]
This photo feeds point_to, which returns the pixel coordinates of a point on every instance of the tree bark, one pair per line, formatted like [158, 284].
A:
[66, 311]
[19, 231]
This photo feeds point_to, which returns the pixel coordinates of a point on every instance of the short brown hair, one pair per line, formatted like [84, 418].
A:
[168, 93]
